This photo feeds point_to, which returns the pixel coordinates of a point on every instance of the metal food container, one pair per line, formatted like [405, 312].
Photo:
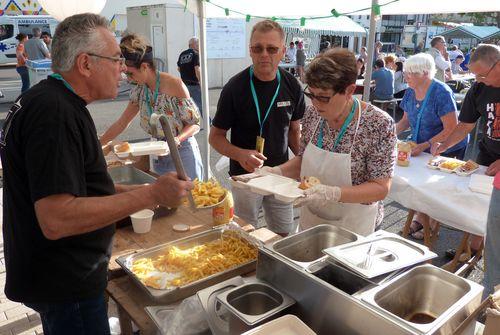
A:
[180, 292]
[129, 175]
[391, 252]
[253, 303]
[217, 314]
[426, 300]
[305, 248]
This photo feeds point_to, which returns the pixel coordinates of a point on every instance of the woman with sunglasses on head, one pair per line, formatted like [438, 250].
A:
[349, 145]
[160, 93]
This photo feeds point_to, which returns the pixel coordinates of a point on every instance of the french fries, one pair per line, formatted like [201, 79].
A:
[177, 267]
[207, 193]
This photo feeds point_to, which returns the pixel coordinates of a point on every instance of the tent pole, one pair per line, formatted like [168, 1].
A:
[204, 88]
[370, 47]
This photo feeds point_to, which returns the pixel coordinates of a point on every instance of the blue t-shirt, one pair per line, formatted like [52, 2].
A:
[384, 84]
[440, 103]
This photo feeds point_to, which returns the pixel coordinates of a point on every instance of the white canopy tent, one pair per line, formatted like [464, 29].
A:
[281, 9]
[318, 8]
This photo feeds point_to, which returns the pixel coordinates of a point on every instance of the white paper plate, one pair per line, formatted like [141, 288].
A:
[481, 184]
[144, 148]
[284, 189]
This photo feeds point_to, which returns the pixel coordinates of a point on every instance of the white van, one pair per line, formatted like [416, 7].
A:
[10, 26]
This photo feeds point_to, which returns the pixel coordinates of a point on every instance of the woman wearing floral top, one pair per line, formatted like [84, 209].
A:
[348, 144]
[160, 93]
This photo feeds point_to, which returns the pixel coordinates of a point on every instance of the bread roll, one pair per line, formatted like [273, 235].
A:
[123, 147]
[308, 182]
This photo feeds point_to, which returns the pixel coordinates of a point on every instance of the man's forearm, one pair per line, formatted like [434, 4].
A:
[68, 215]
[224, 147]
[458, 134]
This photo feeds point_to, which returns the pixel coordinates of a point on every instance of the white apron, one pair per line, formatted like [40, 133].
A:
[334, 169]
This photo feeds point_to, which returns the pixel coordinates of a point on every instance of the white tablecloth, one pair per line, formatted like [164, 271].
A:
[445, 197]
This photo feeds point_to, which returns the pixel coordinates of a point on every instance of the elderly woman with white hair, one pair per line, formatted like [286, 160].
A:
[430, 112]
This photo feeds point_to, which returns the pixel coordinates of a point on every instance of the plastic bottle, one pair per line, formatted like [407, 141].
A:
[224, 213]
[404, 153]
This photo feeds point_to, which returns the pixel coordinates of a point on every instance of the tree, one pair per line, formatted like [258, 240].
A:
[482, 17]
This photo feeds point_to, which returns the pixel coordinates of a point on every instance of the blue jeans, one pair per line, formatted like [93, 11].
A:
[25, 78]
[491, 248]
[191, 159]
[279, 215]
[84, 317]
[195, 93]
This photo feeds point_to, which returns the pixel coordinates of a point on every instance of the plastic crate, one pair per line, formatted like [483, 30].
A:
[38, 70]
[37, 75]
[39, 64]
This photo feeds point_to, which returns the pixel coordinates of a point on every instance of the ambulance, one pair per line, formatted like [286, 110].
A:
[10, 26]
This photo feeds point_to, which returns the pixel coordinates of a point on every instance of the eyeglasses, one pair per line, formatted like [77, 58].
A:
[119, 60]
[258, 49]
[487, 73]
[319, 98]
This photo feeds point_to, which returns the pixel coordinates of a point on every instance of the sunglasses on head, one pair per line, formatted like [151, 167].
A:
[258, 49]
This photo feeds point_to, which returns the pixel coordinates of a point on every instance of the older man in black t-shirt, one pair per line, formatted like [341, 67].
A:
[59, 201]
[262, 105]
[482, 101]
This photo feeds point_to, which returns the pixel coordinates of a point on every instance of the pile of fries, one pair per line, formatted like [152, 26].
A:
[177, 267]
[207, 193]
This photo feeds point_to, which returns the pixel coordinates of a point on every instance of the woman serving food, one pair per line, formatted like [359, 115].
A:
[347, 145]
[160, 93]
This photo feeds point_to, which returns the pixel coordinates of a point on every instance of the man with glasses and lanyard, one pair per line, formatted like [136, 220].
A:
[60, 204]
[262, 105]
[483, 101]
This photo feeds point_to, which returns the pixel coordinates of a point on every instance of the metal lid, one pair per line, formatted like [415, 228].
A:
[379, 253]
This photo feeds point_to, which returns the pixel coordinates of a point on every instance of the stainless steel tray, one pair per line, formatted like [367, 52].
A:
[438, 300]
[392, 252]
[129, 175]
[216, 314]
[306, 247]
[173, 294]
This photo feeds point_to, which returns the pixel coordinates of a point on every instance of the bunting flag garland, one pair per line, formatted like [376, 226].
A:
[333, 13]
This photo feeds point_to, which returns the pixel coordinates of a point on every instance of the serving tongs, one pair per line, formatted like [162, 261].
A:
[174, 152]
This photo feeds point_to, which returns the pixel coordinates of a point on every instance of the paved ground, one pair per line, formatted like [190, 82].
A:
[17, 319]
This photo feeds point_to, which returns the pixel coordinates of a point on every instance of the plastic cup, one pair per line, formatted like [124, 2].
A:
[141, 221]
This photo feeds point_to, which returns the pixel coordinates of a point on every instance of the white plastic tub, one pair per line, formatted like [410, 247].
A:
[285, 325]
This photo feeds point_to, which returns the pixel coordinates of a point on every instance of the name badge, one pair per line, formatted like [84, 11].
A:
[283, 103]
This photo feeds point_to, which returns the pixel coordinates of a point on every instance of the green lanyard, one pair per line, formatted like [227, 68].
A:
[155, 97]
[57, 76]
[256, 101]
[342, 130]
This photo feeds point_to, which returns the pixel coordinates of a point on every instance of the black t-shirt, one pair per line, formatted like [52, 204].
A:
[188, 60]
[49, 146]
[236, 111]
[484, 101]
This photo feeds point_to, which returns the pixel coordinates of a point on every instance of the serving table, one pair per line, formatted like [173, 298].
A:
[129, 298]
[445, 197]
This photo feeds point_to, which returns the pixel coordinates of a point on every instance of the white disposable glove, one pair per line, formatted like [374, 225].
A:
[319, 194]
[265, 170]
